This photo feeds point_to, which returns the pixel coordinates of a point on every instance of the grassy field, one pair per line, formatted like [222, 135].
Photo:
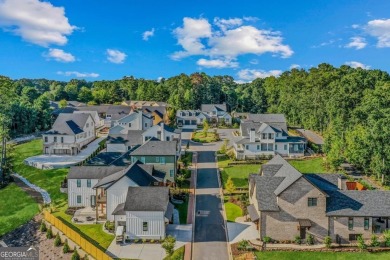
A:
[201, 138]
[232, 211]
[320, 255]
[50, 180]
[17, 208]
[309, 166]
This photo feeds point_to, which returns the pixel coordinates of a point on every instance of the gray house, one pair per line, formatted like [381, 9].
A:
[217, 113]
[285, 203]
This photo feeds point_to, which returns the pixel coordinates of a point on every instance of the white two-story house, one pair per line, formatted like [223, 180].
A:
[217, 113]
[190, 119]
[267, 139]
[69, 134]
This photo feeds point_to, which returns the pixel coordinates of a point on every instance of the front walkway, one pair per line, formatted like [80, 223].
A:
[46, 161]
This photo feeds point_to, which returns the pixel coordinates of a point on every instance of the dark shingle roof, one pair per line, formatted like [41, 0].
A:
[211, 107]
[275, 120]
[147, 199]
[69, 124]
[92, 172]
[119, 210]
[266, 197]
[253, 213]
[132, 138]
[110, 158]
[156, 147]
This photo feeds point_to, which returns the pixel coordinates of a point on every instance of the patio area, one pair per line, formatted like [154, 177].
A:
[85, 216]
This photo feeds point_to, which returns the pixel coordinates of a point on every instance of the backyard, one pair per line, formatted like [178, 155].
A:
[309, 165]
[285, 255]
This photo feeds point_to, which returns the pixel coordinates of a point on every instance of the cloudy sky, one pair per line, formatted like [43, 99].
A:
[96, 40]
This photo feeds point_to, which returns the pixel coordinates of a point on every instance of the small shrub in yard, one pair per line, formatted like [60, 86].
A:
[360, 243]
[328, 242]
[144, 241]
[386, 238]
[86, 257]
[267, 239]
[169, 244]
[75, 255]
[243, 244]
[152, 241]
[136, 241]
[66, 248]
[57, 240]
[375, 241]
[43, 227]
[310, 239]
[49, 233]
[297, 240]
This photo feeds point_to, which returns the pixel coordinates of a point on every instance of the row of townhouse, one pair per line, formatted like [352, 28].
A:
[285, 203]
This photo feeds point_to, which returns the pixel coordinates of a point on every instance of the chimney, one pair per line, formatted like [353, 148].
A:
[162, 132]
[342, 183]
[140, 120]
[252, 135]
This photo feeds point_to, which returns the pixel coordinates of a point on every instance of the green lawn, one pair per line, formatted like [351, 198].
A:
[200, 137]
[17, 208]
[50, 180]
[232, 211]
[309, 166]
[183, 211]
[281, 255]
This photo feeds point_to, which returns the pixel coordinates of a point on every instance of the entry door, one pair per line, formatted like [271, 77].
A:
[303, 232]
[93, 200]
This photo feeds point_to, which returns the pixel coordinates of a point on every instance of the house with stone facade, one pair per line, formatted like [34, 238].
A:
[69, 134]
[285, 203]
[267, 135]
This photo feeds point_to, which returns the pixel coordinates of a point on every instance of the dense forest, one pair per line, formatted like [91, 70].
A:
[350, 107]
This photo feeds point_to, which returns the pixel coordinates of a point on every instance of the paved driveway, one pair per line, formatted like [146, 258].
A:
[241, 230]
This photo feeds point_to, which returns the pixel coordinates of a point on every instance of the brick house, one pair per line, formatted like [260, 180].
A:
[285, 203]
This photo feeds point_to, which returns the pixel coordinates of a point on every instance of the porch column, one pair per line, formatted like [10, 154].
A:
[96, 206]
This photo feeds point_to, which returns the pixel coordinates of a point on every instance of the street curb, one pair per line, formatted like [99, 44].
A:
[224, 210]
[194, 203]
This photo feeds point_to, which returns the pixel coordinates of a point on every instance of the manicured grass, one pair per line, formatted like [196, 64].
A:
[282, 255]
[94, 231]
[239, 174]
[183, 211]
[232, 211]
[16, 209]
[177, 255]
[309, 166]
[200, 137]
[50, 180]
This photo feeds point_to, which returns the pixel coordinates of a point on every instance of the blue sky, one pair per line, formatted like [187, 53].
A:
[98, 40]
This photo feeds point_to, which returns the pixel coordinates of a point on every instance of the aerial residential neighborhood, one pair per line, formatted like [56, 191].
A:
[154, 130]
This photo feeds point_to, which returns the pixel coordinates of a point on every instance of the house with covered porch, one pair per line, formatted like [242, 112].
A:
[285, 203]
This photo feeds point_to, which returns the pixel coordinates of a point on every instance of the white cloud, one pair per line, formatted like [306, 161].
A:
[226, 40]
[380, 29]
[147, 34]
[355, 26]
[247, 75]
[357, 43]
[78, 74]
[216, 63]
[37, 22]
[59, 55]
[295, 66]
[115, 56]
[254, 62]
[356, 64]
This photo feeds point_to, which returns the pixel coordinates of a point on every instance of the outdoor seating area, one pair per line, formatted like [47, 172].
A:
[85, 216]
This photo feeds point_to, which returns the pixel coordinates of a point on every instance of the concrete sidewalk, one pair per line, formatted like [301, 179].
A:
[45, 161]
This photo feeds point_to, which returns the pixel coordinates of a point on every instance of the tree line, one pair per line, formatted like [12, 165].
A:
[349, 106]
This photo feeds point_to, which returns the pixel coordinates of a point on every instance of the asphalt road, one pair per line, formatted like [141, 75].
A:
[210, 240]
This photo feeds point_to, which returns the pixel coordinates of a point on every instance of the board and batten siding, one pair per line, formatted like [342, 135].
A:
[155, 220]
[84, 191]
[116, 194]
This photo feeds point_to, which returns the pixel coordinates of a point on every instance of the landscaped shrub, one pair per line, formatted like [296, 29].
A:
[328, 242]
[75, 255]
[110, 226]
[136, 241]
[144, 241]
[86, 257]
[310, 239]
[49, 233]
[57, 240]
[297, 240]
[267, 239]
[375, 241]
[66, 248]
[360, 243]
[243, 244]
[169, 245]
[386, 238]
[43, 227]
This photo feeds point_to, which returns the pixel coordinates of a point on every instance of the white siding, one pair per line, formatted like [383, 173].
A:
[84, 191]
[156, 224]
[116, 194]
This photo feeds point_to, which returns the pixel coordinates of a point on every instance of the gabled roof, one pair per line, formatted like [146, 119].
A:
[275, 120]
[134, 116]
[132, 138]
[147, 199]
[134, 172]
[69, 124]
[156, 147]
[92, 172]
[212, 107]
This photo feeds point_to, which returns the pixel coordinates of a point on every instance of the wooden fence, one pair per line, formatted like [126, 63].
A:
[87, 246]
